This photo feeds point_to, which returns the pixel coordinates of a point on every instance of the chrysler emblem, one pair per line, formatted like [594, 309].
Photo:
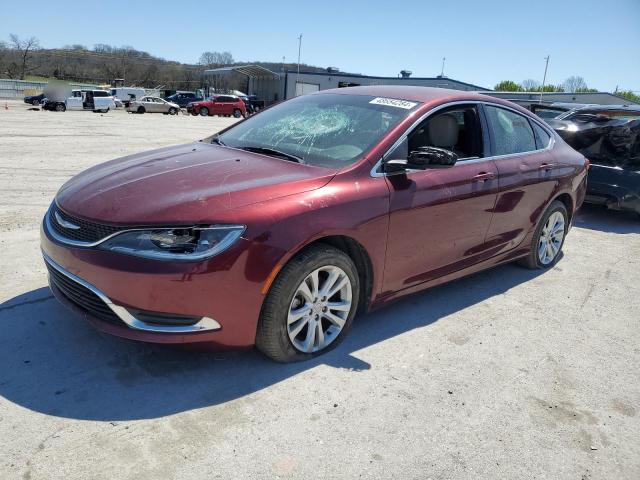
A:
[63, 223]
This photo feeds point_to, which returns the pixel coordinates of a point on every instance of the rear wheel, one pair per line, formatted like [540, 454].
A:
[204, 112]
[141, 110]
[548, 238]
[35, 103]
[310, 306]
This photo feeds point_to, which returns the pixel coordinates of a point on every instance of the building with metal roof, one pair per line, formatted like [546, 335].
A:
[272, 87]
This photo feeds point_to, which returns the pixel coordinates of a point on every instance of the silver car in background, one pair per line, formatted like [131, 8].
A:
[153, 105]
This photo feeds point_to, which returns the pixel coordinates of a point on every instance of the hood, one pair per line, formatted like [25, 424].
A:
[183, 184]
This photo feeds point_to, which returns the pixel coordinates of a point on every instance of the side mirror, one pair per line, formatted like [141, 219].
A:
[431, 157]
[395, 167]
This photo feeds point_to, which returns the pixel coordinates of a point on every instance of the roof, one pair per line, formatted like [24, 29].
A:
[547, 95]
[407, 79]
[252, 71]
[412, 93]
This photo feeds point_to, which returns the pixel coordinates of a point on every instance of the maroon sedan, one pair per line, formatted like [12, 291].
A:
[278, 230]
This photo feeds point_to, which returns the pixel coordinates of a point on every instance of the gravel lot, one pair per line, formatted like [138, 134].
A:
[508, 374]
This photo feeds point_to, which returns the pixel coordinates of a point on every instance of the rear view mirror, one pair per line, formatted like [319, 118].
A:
[431, 157]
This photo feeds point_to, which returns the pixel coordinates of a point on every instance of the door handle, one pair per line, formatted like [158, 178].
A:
[546, 166]
[483, 177]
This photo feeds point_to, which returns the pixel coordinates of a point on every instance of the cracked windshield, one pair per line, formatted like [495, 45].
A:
[329, 130]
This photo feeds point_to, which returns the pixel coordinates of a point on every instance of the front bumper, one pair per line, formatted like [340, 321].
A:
[222, 294]
[71, 284]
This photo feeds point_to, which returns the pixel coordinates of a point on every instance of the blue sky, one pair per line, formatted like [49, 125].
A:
[484, 41]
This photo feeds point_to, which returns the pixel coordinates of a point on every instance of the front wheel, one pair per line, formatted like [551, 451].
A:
[548, 238]
[60, 107]
[172, 111]
[237, 113]
[310, 305]
[204, 112]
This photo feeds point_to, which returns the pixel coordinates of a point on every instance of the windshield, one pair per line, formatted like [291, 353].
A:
[329, 130]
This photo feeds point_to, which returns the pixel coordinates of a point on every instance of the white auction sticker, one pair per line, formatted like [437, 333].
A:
[393, 102]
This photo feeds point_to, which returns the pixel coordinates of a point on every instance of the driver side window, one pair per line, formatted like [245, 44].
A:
[455, 129]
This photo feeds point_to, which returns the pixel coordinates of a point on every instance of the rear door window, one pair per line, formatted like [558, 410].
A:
[542, 136]
[511, 132]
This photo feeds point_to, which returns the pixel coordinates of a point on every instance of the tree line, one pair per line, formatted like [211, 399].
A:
[573, 84]
[22, 58]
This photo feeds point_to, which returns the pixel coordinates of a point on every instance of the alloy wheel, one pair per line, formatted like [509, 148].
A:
[319, 309]
[551, 238]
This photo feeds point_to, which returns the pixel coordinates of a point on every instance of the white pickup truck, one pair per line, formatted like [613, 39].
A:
[94, 100]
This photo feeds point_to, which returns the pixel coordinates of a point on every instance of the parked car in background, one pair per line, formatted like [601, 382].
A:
[184, 98]
[153, 105]
[609, 136]
[257, 104]
[54, 105]
[227, 105]
[94, 100]
[276, 232]
[247, 104]
[34, 99]
[127, 94]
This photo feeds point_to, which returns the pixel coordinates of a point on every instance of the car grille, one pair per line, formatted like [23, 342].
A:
[88, 232]
[82, 297]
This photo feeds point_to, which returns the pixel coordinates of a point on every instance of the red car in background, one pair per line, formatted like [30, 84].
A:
[227, 105]
[278, 230]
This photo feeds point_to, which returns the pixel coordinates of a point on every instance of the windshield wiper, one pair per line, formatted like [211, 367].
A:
[218, 141]
[274, 153]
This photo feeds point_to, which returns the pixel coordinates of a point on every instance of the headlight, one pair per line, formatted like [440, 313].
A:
[187, 244]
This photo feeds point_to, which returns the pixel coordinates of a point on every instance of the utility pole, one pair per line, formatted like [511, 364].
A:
[442, 71]
[299, 48]
[544, 79]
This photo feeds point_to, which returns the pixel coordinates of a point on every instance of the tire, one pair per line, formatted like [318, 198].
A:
[536, 259]
[172, 111]
[35, 103]
[60, 107]
[104, 110]
[141, 110]
[237, 113]
[204, 112]
[276, 335]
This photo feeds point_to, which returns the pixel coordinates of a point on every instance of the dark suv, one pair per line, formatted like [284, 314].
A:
[183, 98]
[609, 136]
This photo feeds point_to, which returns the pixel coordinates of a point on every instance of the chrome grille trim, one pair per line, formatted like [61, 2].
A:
[203, 325]
[56, 235]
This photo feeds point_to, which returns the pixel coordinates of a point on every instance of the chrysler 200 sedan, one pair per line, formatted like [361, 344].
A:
[277, 231]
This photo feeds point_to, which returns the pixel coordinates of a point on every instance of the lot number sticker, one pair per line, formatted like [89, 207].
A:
[393, 102]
